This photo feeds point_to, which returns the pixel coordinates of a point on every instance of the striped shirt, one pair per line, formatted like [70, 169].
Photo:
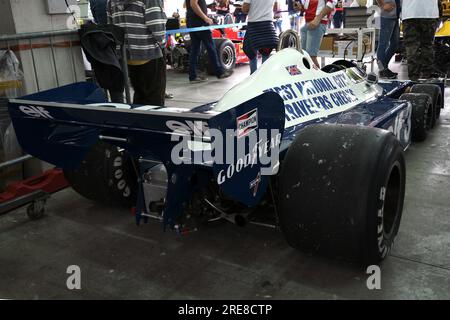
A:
[314, 7]
[145, 26]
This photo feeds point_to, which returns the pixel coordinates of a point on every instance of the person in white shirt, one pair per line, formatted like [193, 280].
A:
[419, 19]
[260, 36]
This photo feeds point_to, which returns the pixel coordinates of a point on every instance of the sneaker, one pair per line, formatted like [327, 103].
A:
[225, 74]
[391, 72]
[198, 80]
[385, 74]
[169, 95]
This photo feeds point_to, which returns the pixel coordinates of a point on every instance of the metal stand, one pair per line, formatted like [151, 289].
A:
[361, 53]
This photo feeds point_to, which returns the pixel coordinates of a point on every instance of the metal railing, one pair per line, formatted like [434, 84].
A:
[14, 42]
[23, 42]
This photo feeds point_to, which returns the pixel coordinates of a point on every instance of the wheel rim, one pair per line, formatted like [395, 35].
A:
[228, 57]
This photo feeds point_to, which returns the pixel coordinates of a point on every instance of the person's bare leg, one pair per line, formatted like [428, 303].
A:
[316, 62]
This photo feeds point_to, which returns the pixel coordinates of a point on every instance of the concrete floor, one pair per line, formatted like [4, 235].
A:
[121, 261]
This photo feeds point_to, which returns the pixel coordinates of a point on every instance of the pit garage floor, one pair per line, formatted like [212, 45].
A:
[119, 260]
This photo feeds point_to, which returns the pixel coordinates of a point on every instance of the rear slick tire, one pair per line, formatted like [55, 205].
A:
[341, 192]
[106, 175]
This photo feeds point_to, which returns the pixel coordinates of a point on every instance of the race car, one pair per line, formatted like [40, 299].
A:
[228, 42]
[322, 149]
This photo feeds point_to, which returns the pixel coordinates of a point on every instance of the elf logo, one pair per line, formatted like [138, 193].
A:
[247, 123]
[35, 112]
[193, 128]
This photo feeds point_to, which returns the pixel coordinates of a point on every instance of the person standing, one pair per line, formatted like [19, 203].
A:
[239, 16]
[261, 36]
[144, 22]
[317, 15]
[98, 9]
[389, 36]
[419, 19]
[294, 16]
[223, 7]
[196, 16]
[278, 17]
[338, 15]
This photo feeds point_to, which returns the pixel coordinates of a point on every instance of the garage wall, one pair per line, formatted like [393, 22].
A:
[51, 69]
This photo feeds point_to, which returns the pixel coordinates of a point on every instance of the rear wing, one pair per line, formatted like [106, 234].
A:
[60, 126]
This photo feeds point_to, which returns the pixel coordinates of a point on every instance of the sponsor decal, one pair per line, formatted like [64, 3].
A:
[401, 125]
[309, 99]
[35, 112]
[192, 128]
[255, 184]
[382, 247]
[260, 150]
[247, 123]
[293, 70]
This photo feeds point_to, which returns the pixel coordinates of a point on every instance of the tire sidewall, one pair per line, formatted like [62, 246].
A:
[106, 175]
[119, 176]
[378, 241]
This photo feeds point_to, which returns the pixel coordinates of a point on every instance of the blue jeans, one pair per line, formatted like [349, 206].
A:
[196, 39]
[388, 42]
[254, 62]
[278, 24]
[294, 18]
[311, 39]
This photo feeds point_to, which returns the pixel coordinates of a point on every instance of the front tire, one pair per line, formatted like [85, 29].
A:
[434, 91]
[422, 114]
[341, 192]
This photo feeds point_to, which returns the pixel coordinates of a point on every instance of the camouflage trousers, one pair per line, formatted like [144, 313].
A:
[418, 38]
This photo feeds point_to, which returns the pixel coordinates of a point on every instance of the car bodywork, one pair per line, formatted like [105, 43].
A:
[283, 97]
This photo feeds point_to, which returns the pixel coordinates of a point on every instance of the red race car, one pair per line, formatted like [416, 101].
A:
[229, 45]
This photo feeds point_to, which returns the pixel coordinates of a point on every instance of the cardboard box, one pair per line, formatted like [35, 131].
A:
[327, 45]
[349, 48]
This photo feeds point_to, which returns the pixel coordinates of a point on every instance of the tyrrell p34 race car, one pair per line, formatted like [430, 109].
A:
[323, 149]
